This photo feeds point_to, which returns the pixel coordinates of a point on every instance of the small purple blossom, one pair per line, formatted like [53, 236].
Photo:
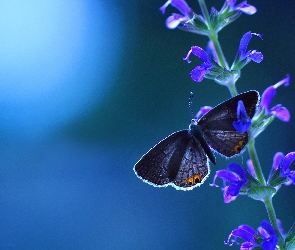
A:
[243, 56]
[243, 121]
[280, 172]
[209, 68]
[265, 237]
[237, 178]
[202, 111]
[285, 170]
[243, 6]
[175, 19]
[278, 110]
[199, 72]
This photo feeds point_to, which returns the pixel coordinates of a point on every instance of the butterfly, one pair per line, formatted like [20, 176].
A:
[181, 159]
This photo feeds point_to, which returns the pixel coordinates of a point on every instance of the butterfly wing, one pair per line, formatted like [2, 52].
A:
[194, 167]
[217, 127]
[178, 160]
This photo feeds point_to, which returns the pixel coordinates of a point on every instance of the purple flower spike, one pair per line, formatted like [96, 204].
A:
[265, 237]
[243, 121]
[244, 7]
[279, 111]
[236, 176]
[175, 19]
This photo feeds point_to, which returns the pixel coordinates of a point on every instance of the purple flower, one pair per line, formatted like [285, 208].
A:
[209, 69]
[243, 57]
[243, 6]
[243, 121]
[175, 19]
[265, 237]
[285, 170]
[237, 178]
[278, 110]
[280, 172]
[202, 111]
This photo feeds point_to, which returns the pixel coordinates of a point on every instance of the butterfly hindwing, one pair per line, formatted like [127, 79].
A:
[227, 143]
[177, 160]
[194, 167]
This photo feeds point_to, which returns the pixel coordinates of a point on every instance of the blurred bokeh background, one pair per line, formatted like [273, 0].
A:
[86, 88]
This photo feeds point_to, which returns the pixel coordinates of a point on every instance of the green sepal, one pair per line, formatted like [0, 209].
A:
[276, 179]
[260, 122]
[290, 238]
[196, 25]
[222, 18]
[261, 193]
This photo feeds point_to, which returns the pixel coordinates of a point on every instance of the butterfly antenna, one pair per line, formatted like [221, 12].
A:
[190, 103]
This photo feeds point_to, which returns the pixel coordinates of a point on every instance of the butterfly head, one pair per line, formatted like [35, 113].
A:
[194, 122]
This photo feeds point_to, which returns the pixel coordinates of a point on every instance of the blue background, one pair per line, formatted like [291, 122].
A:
[86, 88]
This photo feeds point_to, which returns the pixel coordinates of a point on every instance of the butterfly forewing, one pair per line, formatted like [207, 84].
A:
[217, 124]
[228, 108]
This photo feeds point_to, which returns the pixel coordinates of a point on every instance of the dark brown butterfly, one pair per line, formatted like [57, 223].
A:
[181, 159]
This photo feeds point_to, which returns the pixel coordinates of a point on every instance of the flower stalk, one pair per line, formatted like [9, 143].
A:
[248, 121]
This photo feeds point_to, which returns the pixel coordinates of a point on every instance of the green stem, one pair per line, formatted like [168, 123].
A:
[213, 36]
[232, 89]
[205, 12]
[255, 161]
[273, 219]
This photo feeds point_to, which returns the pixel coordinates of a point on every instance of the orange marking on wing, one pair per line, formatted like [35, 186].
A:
[195, 179]
[237, 148]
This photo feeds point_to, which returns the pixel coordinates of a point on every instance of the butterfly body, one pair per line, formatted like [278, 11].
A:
[181, 159]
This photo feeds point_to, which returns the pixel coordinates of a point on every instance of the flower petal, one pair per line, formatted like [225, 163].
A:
[228, 176]
[281, 112]
[243, 122]
[244, 43]
[233, 190]
[247, 8]
[198, 73]
[174, 20]
[289, 158]
[255, 56]
[227, 198]
[199, 52]
[202, 111]
[236, 168]
[182, 6]
[277, 160]
[244, 234]
[267, 97]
